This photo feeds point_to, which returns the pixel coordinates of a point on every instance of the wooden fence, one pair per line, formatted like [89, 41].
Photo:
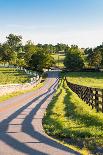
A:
[92, 96]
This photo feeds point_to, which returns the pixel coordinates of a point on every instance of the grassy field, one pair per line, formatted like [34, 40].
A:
[91, 79]
[11, 75]
[59, 59]
[71, 120]
[8, 96]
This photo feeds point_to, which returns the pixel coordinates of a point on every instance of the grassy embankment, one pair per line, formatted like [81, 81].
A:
[71, 120]
[14, 76]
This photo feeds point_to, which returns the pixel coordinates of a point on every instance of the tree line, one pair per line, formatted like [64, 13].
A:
[39, 56]
[29, 55]
[89, 58]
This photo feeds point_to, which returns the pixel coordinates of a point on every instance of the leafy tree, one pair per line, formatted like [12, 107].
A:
[100, 49]
[89, 56]
[74, 59]
[29, 50]
[39, 45]
[14, 42]
[41, 59]
[21, 62]
[96, 59]
[61, 47]
[74, 46]
[1, 53]
[8, 55]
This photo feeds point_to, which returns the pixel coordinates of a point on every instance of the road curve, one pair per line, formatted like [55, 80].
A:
[21, 131]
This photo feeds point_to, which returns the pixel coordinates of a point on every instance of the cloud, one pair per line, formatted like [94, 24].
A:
[55, 33]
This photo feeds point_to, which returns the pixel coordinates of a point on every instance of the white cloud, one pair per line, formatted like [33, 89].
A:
[54, 34]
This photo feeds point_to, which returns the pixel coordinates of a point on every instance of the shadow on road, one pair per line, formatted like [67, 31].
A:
[28, 128]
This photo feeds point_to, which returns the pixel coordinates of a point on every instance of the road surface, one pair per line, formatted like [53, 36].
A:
[21, 131]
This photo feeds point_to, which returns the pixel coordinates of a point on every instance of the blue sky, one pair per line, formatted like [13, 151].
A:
[51, 21]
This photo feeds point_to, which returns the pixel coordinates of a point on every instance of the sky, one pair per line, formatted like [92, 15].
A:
[77, 22]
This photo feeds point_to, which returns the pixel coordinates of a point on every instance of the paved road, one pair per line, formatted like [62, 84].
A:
[21, 131]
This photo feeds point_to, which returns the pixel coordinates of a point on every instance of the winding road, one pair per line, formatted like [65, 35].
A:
[21, 131]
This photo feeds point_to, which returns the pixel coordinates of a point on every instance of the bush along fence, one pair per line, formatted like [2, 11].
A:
[92, 96]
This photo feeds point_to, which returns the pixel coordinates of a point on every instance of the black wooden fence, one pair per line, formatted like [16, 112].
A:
[92, 96]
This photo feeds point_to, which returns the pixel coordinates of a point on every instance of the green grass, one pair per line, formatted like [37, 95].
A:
[11, 75]
[8, 96]
[59, 58]
[90, 79]
[68, 118]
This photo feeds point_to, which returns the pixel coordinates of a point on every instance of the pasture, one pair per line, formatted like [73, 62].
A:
[59, 58]
[90, 79]
[11, 75]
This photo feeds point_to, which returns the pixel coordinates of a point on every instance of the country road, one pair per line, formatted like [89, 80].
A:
[21, 131]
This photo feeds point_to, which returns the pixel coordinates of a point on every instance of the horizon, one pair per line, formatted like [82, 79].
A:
[54, 21]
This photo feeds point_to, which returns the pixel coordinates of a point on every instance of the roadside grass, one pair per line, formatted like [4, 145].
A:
[8, 96]
[90, 79]
[11, 75]
[59, 58]
[71, 120]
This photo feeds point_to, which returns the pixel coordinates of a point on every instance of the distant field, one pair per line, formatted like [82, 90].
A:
[11, 75]
[59, 59]
[91, 79]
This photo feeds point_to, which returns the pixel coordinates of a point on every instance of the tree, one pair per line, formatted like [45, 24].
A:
[8, 55]
[100, 50]
[89, 56]
[96, 59]
[61, 47]
[41, 59]
[29, 50]
[74, 59]
[1, 53]
[14, 42]
[21, 62]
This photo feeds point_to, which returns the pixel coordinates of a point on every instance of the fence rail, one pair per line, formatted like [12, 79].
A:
[92, 96]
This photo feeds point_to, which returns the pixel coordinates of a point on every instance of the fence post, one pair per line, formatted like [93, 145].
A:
[96, 100]
[89, 95]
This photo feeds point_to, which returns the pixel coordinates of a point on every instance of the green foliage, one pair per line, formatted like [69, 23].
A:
[21, 62]
[59, 59]
[89, 55]
[61, 47]
[9, 50]
[41, 59]
[14, 42]
[29, 50]
[13, 52]
[94, 57]
[74, 59]
[8, 55]
[68, 117]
